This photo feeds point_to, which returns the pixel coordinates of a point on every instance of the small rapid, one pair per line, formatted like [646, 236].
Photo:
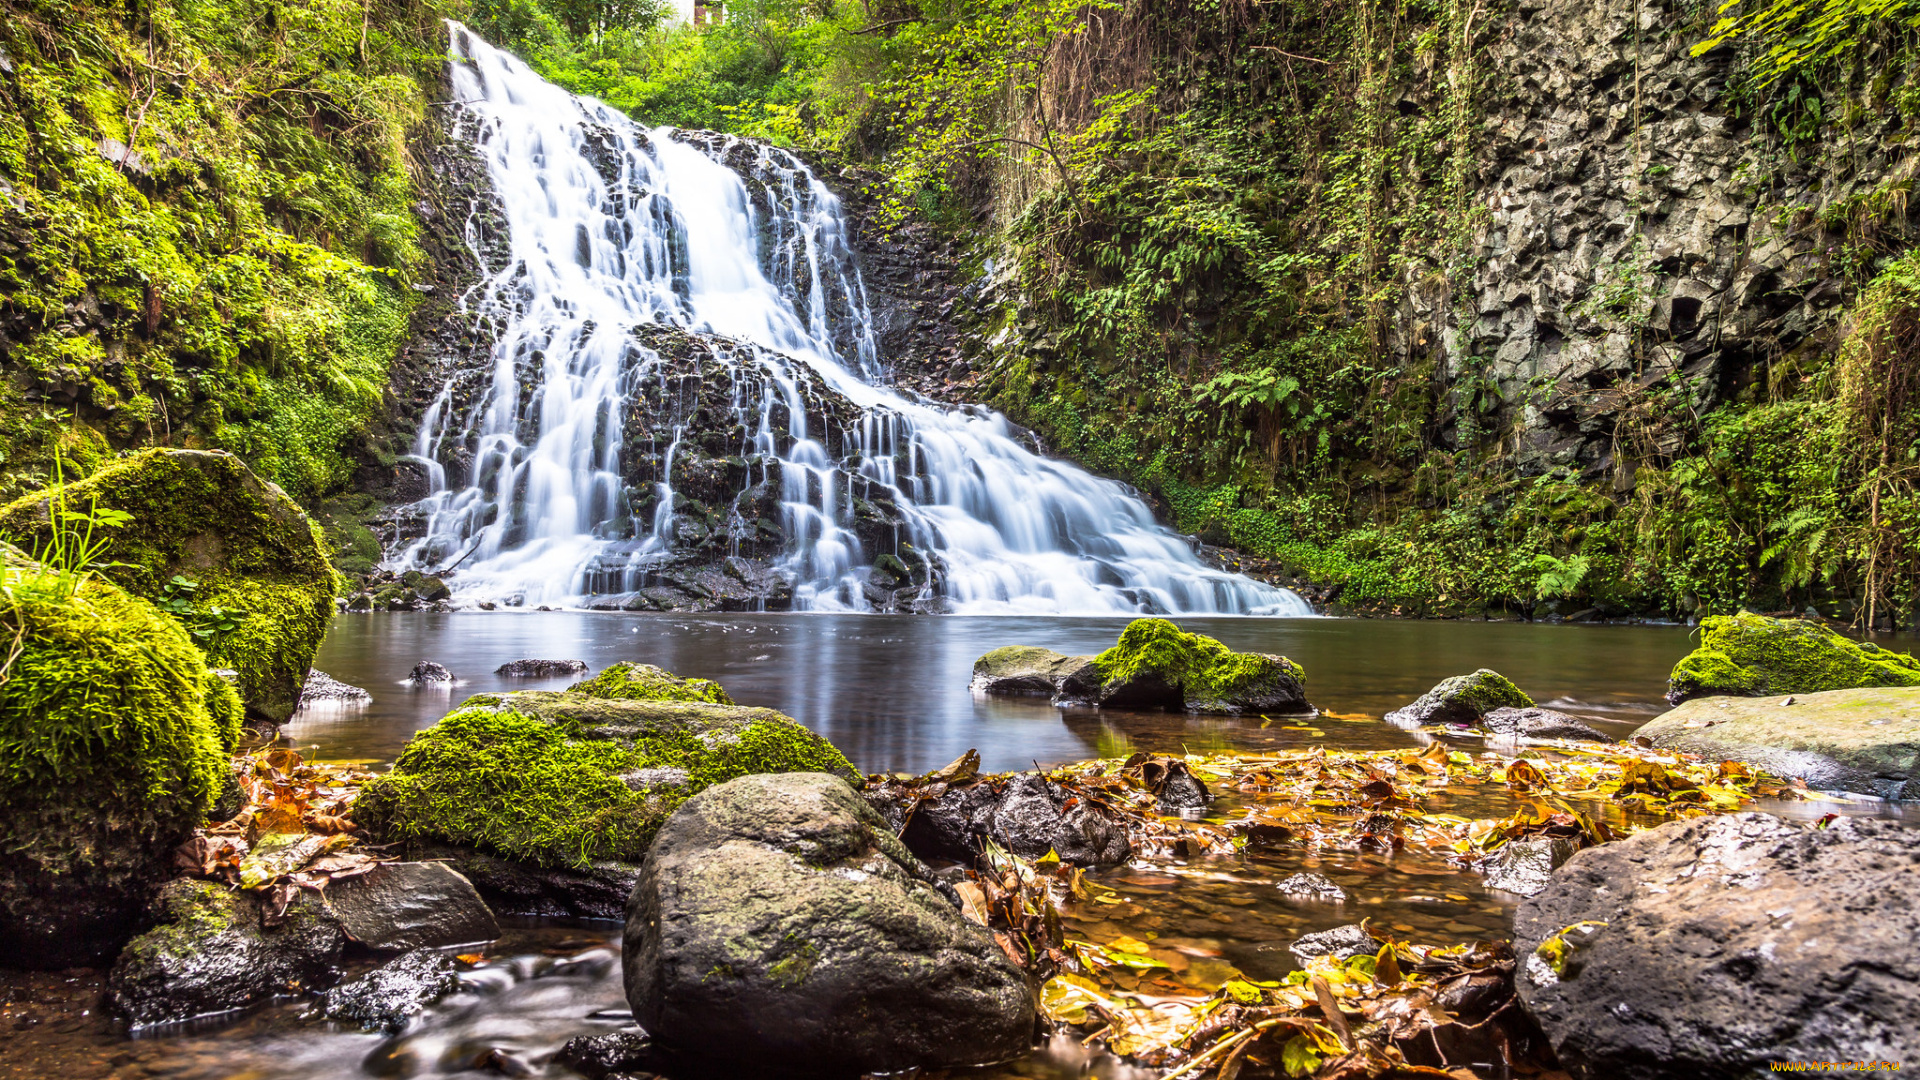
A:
[612, 226]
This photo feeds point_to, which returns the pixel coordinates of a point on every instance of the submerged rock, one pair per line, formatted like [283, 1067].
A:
[211, 952]
[111, 735]
[321, 686]
[540, 669]
[1750, 655]
[389, 996]
[1463, 699]
[566, 780]
[426, 673]
[1864, 741]
[240, 545]
[1713, 946]
[1307, 886]
[1537, 723]
[410, 905]
[1341, 943]
[1154, 665]
[780, 927]
[644, 682]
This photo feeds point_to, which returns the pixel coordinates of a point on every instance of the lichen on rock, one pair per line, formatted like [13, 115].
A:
[247, 548]
[1749, 655]
[568, 779]
[645, 682]
[111, 733]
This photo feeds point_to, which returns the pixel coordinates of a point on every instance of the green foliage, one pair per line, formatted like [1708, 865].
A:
[1794, 34]
[1751, 655]
[645, 682]
[209, 625]
[568, 779]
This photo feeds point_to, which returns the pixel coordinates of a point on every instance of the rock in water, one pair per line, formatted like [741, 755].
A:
[1716, 945]
[321, 686]
[1864, 741]
[1341, 943]
[541, 669]
[780, 927]
[239, 543]
[111, 736]
[644, 682]
[1750, 655]
[410, 905]
[1025, 671]
[1463, 699]
[428, 673]
[1524, 866]
[1023, 813]
[389, 996]
[1538, 723]
[210, 953]
[1154, 665]
[1306, 886]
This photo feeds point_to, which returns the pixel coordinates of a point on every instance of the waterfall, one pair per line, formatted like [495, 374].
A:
[621, 237]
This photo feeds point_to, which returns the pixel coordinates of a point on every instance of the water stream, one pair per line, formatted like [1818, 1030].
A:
[613, 226]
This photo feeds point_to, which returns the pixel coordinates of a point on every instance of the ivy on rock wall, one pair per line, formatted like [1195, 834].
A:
[206, 233]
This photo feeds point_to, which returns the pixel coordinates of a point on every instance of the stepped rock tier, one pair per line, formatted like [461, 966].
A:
[666, 390]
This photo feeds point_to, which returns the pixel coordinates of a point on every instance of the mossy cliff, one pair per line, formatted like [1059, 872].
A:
[112, 730]
[233, 556]
[567, 779]
[1750, 655]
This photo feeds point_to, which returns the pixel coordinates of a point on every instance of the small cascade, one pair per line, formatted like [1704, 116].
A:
[684, 374]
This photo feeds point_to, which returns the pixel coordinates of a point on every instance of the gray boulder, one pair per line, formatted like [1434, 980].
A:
[1341, 943]
[1716, 945]
[389, 996]
[780, 927]
[321, 686]
[1308, 886]
[1524, 866]
[1463, 699]
[1539, 723]
[213, 950]
[1026, 670]
[541, 669]
[428, 673]
[1865, 741]
[411, 905]
[1023, 813]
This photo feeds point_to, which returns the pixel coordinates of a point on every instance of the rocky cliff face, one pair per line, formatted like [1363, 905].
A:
[1638, 229]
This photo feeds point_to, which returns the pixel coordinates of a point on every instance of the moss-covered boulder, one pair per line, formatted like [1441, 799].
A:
[260, 590]
[111, 736]
[644, 682]
[1864, 740]
[1463, 699]
[1749, 655]
[571, 780]
[1156, 665]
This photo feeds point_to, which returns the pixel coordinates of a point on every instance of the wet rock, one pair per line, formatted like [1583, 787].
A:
[541, 669]
[211, 951]
[410, 905]
[599, 1056]
[1538, 723]
[427, 673]
[1463, 699]
[1749, 655]
[1154, 665]
[1023, 670]
[1341, 943]
[1022, 813]
[1308, 886]
[390, 996]
[204, 517]
[1865, 741]
[598, 890]
[780, 927]
[1523, 866]
[1718, 944]
[321, 686]
[1176, 788]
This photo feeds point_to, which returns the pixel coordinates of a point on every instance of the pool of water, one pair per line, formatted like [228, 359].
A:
[892, 692]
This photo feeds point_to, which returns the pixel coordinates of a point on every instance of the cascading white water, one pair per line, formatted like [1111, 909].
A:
[612, 226]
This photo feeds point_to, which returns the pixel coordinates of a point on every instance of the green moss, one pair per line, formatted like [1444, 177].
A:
[111, 732]
[566, 779]
[1751, 655]
[1203, 669]
[206, 517]
[644, 682]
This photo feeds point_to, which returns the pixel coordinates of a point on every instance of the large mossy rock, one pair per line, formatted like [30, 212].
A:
[204, 516]
[781, 929]
[1753, 656]
[644, 682]
[1154, 665]
[111, 751]
[569, 780]
[1462, 699]
[1865, 741]
[213, 950]
[1710, 947]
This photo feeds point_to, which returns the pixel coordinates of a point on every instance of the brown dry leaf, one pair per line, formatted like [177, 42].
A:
[973, 901]
[325, 823]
